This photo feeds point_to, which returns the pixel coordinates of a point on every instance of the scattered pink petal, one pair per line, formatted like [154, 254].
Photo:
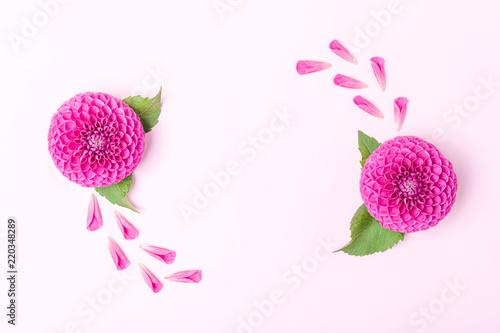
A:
[342, 52]
[379, 71]
[348, 82]
[94, 217]
[160, 253]
[400, 105]
[193, 276]
[119, 258]
[311, 66]
[152, 281]
[367, 106]
[128, 230]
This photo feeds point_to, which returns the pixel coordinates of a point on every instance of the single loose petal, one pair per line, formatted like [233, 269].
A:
[94, 217]
[160, 253]
[379, 71]
[368, 107]
[119, 258]
[348, 82]
[311, 66]
[400, 105]
[128, 230]
[342, 52]
[152, 281]
[193, 276]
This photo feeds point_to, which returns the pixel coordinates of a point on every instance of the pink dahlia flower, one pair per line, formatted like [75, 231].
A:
[95, 139]
[408, 185]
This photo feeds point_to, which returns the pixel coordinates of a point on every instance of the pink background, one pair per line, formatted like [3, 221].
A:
[260, 239]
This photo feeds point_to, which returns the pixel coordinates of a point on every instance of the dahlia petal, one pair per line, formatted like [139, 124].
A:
[94, 217]
[400, 105]
[367, 106]
[192, 276]
[379, 71]
[160, 253]
[348, 82]
[119, 258]
[311, 66]
[153, 282]
[342, 52]
[128, 230]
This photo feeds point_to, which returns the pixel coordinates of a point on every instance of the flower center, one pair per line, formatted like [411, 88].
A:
[412, 185]
[96, 141]
[409, 186]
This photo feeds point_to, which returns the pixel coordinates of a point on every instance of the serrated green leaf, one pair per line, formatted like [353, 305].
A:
[148, 109]
[366, 145]
[368, 236]
[116, 193]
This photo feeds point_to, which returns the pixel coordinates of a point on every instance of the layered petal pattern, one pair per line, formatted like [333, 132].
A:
[152, 281]
[160, 253]
[192, 276]
[119, 258]
[128, 230]
[311, 66]
[408, 185]
[95, 139]
[94, 217]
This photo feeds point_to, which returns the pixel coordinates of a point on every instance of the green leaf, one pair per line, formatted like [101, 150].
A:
[367, 145]
[116, 193]
[148, 109]
[368, 236]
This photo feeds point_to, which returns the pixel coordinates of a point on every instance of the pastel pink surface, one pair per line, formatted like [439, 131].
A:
[408, 185]
[95, 139]
[287, 206]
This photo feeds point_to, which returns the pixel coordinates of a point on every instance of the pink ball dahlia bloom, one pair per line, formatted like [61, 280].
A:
[408, 185]
[95, 139]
